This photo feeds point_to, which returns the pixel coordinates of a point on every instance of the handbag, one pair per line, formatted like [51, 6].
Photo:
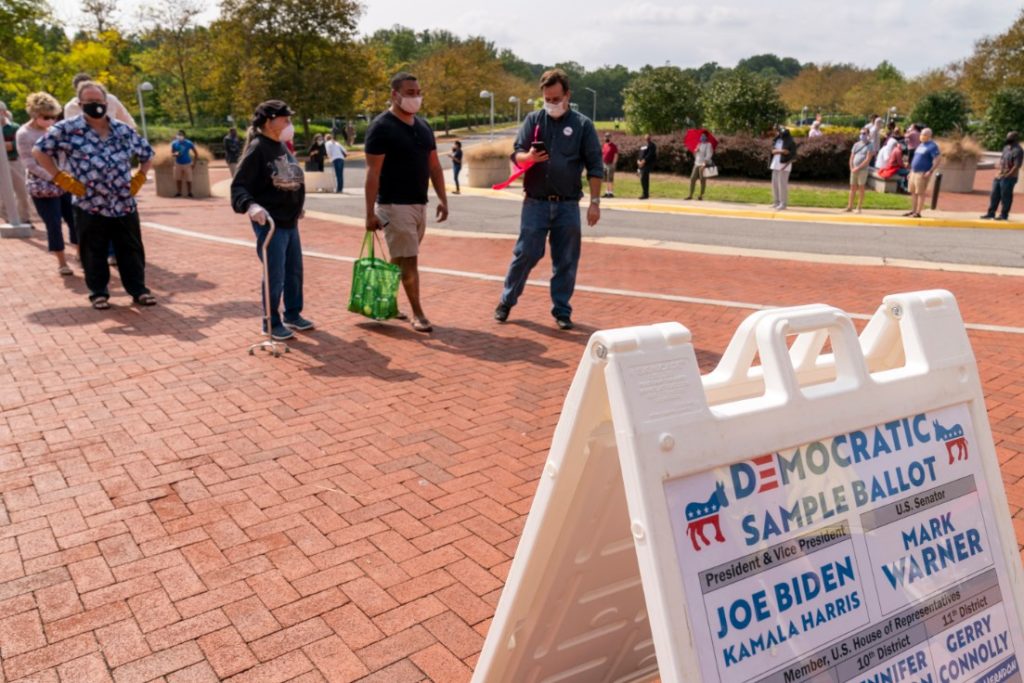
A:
[709, 171]
[374, 284]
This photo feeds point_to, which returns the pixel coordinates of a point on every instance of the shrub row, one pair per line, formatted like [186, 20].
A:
[821, 158]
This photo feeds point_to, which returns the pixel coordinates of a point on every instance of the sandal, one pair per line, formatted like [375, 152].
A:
[146, 300]
[401, 316]
[65, 270]
[101, 303]
[422, 325]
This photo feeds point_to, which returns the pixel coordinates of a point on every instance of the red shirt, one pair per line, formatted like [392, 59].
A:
[608, 152]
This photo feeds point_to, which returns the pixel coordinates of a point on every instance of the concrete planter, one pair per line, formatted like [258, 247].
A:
[958, 176]
[487, 172]
[166, 187]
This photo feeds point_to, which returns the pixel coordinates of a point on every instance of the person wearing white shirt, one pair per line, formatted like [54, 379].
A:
[336, 153]
[116, 108]
[701, 160]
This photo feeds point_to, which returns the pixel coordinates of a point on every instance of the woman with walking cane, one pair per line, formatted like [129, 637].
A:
[270, 183]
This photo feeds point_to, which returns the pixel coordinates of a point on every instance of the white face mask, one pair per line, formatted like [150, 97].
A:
[410, 105]
[287, 133]
[555, 109]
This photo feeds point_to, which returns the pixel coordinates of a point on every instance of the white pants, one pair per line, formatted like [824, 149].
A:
[20, 194]
[780, 187]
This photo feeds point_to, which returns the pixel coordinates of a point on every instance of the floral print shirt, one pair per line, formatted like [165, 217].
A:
[103, 165]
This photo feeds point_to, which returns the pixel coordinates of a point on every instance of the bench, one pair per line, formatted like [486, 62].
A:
[877, 183]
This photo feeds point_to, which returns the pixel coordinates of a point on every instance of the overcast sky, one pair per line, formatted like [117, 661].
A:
[913, 34]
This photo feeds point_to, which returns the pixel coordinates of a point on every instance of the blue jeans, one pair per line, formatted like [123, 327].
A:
[52, 210]
[284, 265]
[339, 174]
[455, 169]
[558, 222]
[1002, 191]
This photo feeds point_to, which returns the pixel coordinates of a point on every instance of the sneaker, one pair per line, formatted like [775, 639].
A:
[611, 195]
[177, 194]
[501, 312]
[190, 196]
[1002, 218]
[300, 324]
[564, 322]
[987, 217]
[279, 332]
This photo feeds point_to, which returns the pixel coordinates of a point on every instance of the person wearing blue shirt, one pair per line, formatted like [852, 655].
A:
[559, 145]
[98, 152]
[922, 168]
[185, 158]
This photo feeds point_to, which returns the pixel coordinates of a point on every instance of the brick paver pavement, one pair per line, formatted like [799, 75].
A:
[175, 510]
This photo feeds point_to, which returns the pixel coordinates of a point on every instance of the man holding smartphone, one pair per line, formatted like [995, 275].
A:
[401, 160]
[560, 143]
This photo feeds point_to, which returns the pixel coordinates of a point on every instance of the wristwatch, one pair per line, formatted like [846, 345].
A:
[595, 201]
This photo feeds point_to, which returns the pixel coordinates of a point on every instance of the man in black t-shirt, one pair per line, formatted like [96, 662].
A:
[1006, 178]
[401, 160]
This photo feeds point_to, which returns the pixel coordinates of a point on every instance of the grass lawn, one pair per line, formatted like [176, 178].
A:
[627, 185]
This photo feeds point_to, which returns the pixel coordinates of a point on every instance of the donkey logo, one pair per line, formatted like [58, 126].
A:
[956, 442]
[699, 515]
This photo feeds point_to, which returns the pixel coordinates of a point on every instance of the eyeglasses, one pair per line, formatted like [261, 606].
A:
[48, 118]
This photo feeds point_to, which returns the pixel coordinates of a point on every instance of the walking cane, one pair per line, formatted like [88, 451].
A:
[268, 344]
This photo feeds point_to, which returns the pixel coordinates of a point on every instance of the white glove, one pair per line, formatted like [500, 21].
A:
[257, 214]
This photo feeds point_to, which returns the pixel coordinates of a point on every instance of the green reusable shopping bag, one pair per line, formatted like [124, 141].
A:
[374, 284]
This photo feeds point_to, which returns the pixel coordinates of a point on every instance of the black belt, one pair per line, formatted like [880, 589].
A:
[552, 198]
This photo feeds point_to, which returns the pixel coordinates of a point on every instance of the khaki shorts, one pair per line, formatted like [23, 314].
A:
[183, 172]
[406, 226]
[918, 183]
[859, 178]
[609, 173]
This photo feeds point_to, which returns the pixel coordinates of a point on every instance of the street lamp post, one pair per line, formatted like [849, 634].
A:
[803, 115]
[530, 102]
[515, 100]
[595, 102]
[892, 114]
[484, 94]
[145, 86]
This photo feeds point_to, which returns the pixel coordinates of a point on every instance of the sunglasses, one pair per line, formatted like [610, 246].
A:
[48, 118]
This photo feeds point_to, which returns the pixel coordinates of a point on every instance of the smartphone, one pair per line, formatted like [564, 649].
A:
[539, 146]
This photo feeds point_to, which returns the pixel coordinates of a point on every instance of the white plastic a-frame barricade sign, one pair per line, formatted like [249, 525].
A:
[831, 513]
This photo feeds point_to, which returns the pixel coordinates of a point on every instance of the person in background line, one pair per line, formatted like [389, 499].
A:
[860, 167]
[882, 158]
[336, 153]
[701, 160]
[316, 154]
[52, 203]
[1006, 178]
[270, 183]
[610, 157]
[456, 156]
[645, 164]
[895, 168]
[350, 132]
[783, 153]
[232, 150]
[926, 161]
[185, 158]
[815, 130]
[875, 133]
[562, 144]
[10, 131]
[118, 111]
[99, 153]
[913, 140]
[401, 160]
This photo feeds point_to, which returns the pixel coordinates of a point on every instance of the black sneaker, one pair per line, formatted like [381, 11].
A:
[564, 323]
[501, 312]
[987, 217]
[177, 194]
[300, 324]
[190, 196]
[1002, 218]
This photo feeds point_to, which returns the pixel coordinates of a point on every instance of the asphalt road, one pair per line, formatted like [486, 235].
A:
[935, 245]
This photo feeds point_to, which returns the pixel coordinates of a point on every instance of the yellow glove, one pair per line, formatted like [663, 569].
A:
[69, 184]
[138, 180]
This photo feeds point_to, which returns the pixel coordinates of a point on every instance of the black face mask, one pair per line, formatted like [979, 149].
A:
[95, 110]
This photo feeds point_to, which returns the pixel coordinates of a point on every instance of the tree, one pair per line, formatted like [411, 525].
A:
[884, 88]
[307, 48]
[741, 101]
[99, 16]
[996, 63]
[942, 111]
[822, 88]
[772, 66]
[179, 47]
[662, 99]
[1005, 113]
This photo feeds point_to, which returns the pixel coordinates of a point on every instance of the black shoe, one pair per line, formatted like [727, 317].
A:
[564, 323]
[501, 312]
[190, 196]
[987, 217]
[177, 194]
[1002, 218]
[642, 197]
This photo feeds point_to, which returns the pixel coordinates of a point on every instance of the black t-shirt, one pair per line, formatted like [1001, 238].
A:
[269, 176]
[406, 171]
